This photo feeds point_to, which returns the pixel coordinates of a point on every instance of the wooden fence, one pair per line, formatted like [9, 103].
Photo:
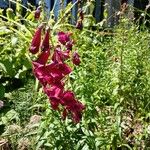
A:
[112, 7]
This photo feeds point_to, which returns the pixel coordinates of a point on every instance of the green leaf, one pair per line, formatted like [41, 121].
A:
[85, 147]
[27, 63]
[7, 67]
[30, 16]
[40, 143]
[48, 145]
[10, 115]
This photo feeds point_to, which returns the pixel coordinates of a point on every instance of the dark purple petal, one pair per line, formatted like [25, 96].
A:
[54, 91]
[64, 68]
[68, 98]
[57, 56]
[43, 57]
[60, 56]
[55, 94]
[76, 111]
[56, 75]
[54, 103]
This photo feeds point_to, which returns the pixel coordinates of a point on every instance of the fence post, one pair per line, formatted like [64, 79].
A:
[48, 5]
[131, 2]
[98, 10]
[74, 12]
[112, 8]
[37, 2]
[65, 3]
[24, 2]
[56, 8]
[131, 9]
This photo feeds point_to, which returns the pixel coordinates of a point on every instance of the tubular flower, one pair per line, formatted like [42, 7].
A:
[47, 74]
[37, 13]
[45, 44]
[57, 56]
[81, 15]
[63, 37]
[60, 56]
[54, 93]
[36, 40]
[76, 110]
[72, 105]
[76, 58]
[41, 73]
[69, 45]
[79, 25]
[64, 68]
[68, 98]
[43, 57]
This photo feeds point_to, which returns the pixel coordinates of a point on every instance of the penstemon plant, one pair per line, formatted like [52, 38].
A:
[51, 69]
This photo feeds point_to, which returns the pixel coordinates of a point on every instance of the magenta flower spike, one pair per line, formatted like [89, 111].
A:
[52, 75]
[36, 40]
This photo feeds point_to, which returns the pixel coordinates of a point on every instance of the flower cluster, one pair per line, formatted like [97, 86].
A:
[51, 70]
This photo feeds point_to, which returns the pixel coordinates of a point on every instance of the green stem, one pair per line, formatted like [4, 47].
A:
[36, 85]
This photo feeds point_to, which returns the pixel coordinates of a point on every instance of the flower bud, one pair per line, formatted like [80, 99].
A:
[79, 25]
[36, 40]
[76, 58]
[37, 13]
[45, 43]
[81, 15]
[10, 13]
